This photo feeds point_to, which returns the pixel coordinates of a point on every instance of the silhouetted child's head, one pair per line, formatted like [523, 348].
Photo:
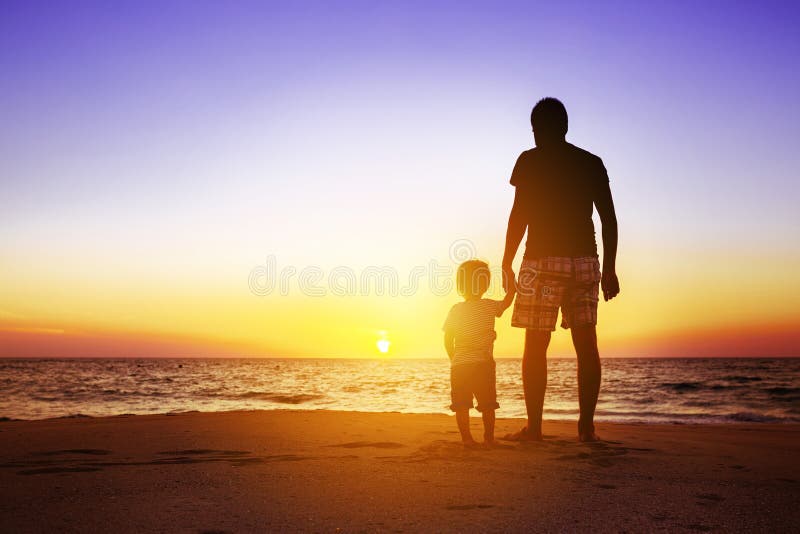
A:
[549, 120]
[473, 279]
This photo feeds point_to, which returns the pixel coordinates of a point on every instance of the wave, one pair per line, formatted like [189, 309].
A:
[743, 379]
[784, 395]
[122, 395]
[781, 391]
[721, 387]
[645, 415]
[700, 404]
[749, 417]
[693, 418]
[682, 386]
[278, 398]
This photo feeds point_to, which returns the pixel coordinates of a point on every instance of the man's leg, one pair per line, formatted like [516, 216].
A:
[585, 340]
[534, 378]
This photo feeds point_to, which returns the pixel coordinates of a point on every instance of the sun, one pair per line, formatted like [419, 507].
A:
[383, 342]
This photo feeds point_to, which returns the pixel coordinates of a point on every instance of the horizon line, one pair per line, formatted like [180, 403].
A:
[381, 358]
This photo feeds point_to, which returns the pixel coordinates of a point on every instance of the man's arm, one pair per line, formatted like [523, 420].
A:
[449, 342]
[516, 230]
[506, 302]
[608, 219]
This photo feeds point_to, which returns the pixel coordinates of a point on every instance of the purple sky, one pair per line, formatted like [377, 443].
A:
[197, 137]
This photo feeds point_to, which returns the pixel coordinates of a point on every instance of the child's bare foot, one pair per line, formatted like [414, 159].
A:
[523, 435]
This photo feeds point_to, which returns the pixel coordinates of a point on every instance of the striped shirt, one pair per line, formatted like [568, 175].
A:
[472, 324]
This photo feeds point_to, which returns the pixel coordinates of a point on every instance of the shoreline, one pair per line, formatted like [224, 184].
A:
[691, 421]
[319, 470]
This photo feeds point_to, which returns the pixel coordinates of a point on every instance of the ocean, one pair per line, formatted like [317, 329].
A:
[650, 390]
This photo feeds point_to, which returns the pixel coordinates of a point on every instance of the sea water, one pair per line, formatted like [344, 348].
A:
[655, 390]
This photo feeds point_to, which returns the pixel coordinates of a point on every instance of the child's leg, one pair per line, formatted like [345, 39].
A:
[462, 418]
[461, 395]
[486, 393]
[488, 426]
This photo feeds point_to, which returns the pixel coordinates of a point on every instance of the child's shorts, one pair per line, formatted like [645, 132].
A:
[473, 379]
[546, 284]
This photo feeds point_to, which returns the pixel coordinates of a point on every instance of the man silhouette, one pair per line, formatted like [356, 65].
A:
[557, 185]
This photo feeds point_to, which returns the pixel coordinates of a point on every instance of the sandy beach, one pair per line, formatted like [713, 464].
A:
[346, 471]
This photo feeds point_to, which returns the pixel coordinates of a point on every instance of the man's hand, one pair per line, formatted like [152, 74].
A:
[610, 284]
[509, 279]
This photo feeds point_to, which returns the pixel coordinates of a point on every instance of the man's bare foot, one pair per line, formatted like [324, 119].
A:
[523, 435]
[471, 444]
[588, 437]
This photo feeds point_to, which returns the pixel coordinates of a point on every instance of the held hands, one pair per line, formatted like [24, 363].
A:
[610, 284]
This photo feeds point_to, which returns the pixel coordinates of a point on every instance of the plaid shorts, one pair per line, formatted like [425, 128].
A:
[552, 282]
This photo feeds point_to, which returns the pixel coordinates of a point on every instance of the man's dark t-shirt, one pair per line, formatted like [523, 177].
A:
[558, 185]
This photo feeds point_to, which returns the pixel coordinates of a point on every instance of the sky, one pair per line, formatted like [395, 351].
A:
[239, 178]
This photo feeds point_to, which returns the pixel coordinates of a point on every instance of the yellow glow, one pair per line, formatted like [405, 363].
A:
[98, 307]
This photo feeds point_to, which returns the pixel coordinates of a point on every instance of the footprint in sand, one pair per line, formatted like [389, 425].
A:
[205, 451]
[54, 470]
[606, 486]
[64, 460]
[375, 444]
[468, 506]
[710, 497]
[235, 458]
[93, 452]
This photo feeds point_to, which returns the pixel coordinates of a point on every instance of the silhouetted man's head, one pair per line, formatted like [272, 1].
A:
[549, 121]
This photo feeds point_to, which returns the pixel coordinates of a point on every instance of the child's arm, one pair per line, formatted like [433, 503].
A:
[449, 342]
[509, 298]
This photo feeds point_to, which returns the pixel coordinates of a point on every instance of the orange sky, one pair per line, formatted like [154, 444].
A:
[75, 316]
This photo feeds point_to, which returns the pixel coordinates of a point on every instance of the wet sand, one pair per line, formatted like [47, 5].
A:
[324, 471]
